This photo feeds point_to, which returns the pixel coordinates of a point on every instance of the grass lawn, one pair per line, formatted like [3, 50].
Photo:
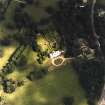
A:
[49, 90]
[61, 82]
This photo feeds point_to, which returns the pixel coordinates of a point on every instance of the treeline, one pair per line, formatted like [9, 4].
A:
[100, 24]
[91, 74]
[72, 22]
[9, 85]
[9, 67]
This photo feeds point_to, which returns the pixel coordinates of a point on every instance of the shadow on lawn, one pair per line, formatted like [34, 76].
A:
[51, 90]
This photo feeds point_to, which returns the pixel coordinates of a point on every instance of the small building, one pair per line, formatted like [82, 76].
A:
[55, 54]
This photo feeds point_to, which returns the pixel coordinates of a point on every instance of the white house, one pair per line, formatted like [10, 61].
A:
[55, 54]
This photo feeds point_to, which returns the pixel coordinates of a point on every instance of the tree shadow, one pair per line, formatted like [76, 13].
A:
[91, 74]
[71, 23]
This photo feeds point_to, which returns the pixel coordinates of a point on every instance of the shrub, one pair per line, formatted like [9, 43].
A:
[36, 75]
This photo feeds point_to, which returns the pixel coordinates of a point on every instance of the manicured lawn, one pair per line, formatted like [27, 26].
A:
[49, 90]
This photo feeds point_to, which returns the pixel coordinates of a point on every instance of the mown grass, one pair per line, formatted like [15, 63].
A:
[50, 89]
[61, 82]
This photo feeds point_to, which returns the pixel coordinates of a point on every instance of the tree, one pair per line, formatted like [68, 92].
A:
[9, 86]
[37, 74]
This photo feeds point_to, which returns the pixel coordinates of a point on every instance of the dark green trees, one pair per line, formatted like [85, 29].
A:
[91, 74]
[9, 85]
[37, 74]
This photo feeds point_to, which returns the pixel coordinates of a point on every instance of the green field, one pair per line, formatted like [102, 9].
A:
[59, 83]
